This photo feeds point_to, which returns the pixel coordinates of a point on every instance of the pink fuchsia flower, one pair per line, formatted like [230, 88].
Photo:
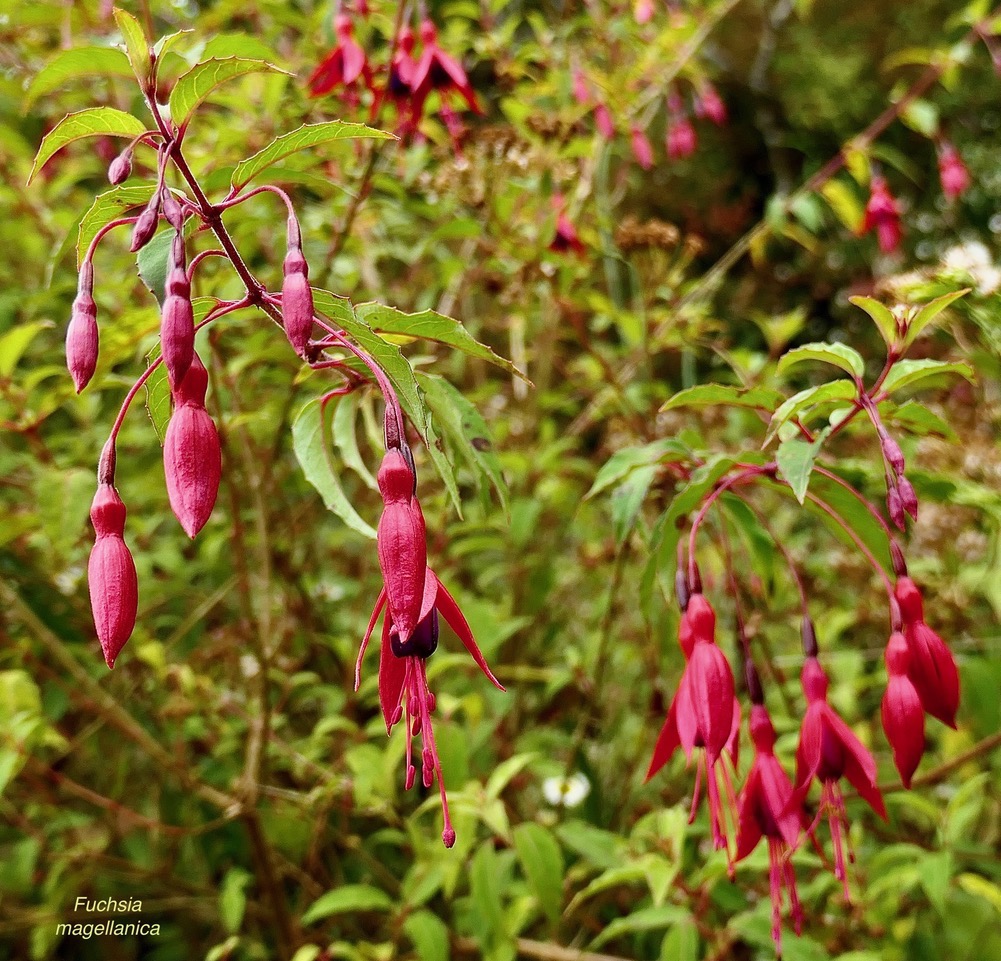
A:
[82, 333]
[709, 105]
[437, 70]
[404, 693]
[643, 10]
[603, 121]
[952, 171]
[681, 139]
[902, 713]
[931, 666]
[344, 66]
[704, 714]
[579, 86]
[400, 85]
[882, 213]
[829, 750]
[642, 150]
[566, 237]
[765, 809]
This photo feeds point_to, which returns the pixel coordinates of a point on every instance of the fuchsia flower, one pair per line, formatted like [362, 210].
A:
[931, 666]
[681, 139]
[829, 750]
[642, 150]
[952, 171]
[82, 334]
[344, 66]
[581, 90]
[766, 809]
[882, 213]
[400, 86]
[603, 121]
[410, 624]
[704, 714]
[643, 10]
[437, 70]
[566, 237]
[709, 105]
[901, 710]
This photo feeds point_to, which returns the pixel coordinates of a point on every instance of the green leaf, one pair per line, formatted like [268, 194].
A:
[927, 314]
[347, 899]
[646, 919]
[343, 429]
[153, 261]
[466, 431]
[840, 355]
[681, 943]
[835, 390]
[917, 419]
[429, 935]
[871, 532]
[107, 207]
[430, 325]
[625, 461]
[627, 499]
[709, 395]
[312, 445]
[907, 373]
[542, 861]
[795, 458]
[136, 45]
[845, 204]
[401, 376]
[14, 342]
[73, 64]
[233, 899]
[168, 42]
[199, 82]
[501, 775]
[881, 316]
[485, 893]
[921, 116]
[309, 135]
[92, 122]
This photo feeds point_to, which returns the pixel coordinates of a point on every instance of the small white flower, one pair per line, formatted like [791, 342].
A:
[566, 791]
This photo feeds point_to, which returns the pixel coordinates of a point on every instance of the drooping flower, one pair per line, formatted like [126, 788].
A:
[829, 750]
[642, 150]
[603, 121]
[952, 171]
[702, 715]
[931, 666]
[82, 334]
[400, 85]
[404, 693]
[681, 139]
[765, 809]
[882, 214]
[566, 237]
[344, 66]
[437, 70]
[709, 105]
[579, 86]
[901, 710]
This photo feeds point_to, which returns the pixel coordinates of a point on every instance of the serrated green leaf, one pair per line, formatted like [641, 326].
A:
[840, 355]
[107, 207]
[466, 431]
[306, 136]
[429, 935]
[542, 862]
[710, 395]
[199, 82]
[167, 43]
[92, 122]
[347, 899]
[908, 373]
[624, 461]
[627, 499]
[136, 45]
[881, 316]
[73, 64]
[795, 458]
[929, 312]
[917, 419]
[430, 325]
[311, 443]
[345, 412]
[835, 390]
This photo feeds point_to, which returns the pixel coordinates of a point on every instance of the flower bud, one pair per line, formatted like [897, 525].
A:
[603, 121]
[192, 460]
[111, 574]
[81, 334]
[642, 150]
[908, 497]
[681, 139]
[121, 168]
[172, 209]
[177, 321]
[893, 454]
[895, 508]
[142, 232]
[297, 301]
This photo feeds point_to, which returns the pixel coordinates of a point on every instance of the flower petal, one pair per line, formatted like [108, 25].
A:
[904, 724]
[380, 602]
[392, 674]
[667, 742]
[448, 609]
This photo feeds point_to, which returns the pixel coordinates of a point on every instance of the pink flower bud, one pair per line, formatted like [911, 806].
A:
[952, 171]
[111, 574]
[642, 150]
[902, 713]
[581, 91]
[145, 227]
[908, 497]
[709, 105]
[895, 508]
[603, 121]
[893, 454]
[81, 334]
[297, 301]
[882, 213]
[681, 139]
[177, 322]
[192, 461]
[172, 209]
[121, 168]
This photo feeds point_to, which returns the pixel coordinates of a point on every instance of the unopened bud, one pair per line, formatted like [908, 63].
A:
[448, 836]
[893, 454]
[809, 636]
[172, 209]
[142, 232]
[897, 556]
[121, 168]
[177, 323]
[681, 588]
[192, 460]
[908, 497]
[81, 334]
[754, 691]
[297, 301]
[111, 574]
[895, 508]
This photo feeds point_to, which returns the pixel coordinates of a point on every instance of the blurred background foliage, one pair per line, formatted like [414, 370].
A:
[132, 783]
